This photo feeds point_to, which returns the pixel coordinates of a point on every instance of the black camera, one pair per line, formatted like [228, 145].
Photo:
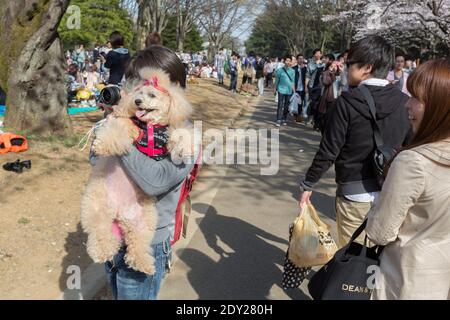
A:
[110, 95]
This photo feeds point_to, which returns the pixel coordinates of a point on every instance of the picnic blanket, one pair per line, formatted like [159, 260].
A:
[70, 111]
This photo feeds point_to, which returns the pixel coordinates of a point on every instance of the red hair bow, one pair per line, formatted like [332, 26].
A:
[154, 82]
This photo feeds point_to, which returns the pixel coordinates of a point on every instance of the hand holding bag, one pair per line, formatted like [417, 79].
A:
[311, 243]
[347, 275]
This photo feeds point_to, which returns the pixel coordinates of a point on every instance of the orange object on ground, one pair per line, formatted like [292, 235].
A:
[10, 142]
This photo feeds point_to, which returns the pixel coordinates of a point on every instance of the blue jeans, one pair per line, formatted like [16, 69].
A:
[283, 106]
[220, 74]
[129, 284]
[233, 81]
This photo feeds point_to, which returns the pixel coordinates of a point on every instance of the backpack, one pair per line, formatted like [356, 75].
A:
[184, 203]
[10, 142]
[226, 67]
[382, 155]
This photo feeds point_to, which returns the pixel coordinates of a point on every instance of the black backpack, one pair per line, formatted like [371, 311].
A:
[382, 154]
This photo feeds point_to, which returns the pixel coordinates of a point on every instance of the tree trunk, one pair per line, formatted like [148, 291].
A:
[181, 43]
[33, 67]
[143, 24]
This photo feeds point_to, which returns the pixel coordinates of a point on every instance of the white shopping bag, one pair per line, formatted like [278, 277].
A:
[294, 102]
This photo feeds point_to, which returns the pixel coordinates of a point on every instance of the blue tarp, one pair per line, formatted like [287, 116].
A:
[70, 111]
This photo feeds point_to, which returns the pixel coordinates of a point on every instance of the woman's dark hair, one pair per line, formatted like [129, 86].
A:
[157, 57]
[374, 51]
[73, 69]
[331, 57]
[315, 51]
[153, 38]
[116, 39]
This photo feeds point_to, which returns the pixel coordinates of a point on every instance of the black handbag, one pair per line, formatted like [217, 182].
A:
[347, 276]
[382, 154]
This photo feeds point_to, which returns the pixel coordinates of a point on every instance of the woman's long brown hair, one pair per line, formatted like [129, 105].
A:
[430, 85]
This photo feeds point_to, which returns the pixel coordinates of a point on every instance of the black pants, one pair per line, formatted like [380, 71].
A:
[233, 81]
[301, 104]
[246, 79]
[314, 97]
[269, 80]
[283, 106]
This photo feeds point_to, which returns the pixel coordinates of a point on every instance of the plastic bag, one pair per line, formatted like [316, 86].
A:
[276, 97]
[311, 243]
[294, 102]
[306, 107]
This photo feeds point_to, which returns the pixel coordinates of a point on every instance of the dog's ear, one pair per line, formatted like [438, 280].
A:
[180, 109]
[125, 108]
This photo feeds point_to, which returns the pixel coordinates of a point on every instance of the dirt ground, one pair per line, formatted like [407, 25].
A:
[41, 235]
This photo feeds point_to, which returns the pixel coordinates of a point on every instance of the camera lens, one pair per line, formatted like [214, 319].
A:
[110, 95]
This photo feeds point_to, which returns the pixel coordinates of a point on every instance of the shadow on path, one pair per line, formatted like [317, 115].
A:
[248, 266]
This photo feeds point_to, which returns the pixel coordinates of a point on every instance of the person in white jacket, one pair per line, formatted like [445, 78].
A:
[412, 217]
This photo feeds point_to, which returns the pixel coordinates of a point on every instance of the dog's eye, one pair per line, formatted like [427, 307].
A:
[151, 95]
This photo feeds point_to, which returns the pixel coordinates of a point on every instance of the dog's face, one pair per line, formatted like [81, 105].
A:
[151, 105]
[154, 100]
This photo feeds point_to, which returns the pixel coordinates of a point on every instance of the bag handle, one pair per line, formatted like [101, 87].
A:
[376, 129]
[316, 217]
[287, 74]
[356, 235]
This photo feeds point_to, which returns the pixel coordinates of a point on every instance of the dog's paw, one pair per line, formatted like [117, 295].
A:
[144, 263]
[115, 137]
[180, 155]
[99, 148]
[104, 250]
[181, 145]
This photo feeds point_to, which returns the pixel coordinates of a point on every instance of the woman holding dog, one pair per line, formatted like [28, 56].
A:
[412, 217]
[161, 179]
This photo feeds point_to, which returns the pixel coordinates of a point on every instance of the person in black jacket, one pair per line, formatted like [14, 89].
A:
[348, 141]
[260, 63]
[300, 84]
[117, 59]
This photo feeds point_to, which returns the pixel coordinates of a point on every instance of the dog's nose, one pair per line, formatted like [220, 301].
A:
[138, 102]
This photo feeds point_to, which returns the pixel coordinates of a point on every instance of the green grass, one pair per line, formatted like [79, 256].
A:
[71, 141]
[67, 142]
[24, 221]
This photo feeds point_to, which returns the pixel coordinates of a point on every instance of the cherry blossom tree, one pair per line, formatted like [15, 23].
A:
[421, 24]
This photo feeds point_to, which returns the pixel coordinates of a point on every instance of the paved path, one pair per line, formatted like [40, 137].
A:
[239, 228]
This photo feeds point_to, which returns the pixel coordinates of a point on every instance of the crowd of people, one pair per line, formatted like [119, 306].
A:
[305, 88]
[89, 71]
